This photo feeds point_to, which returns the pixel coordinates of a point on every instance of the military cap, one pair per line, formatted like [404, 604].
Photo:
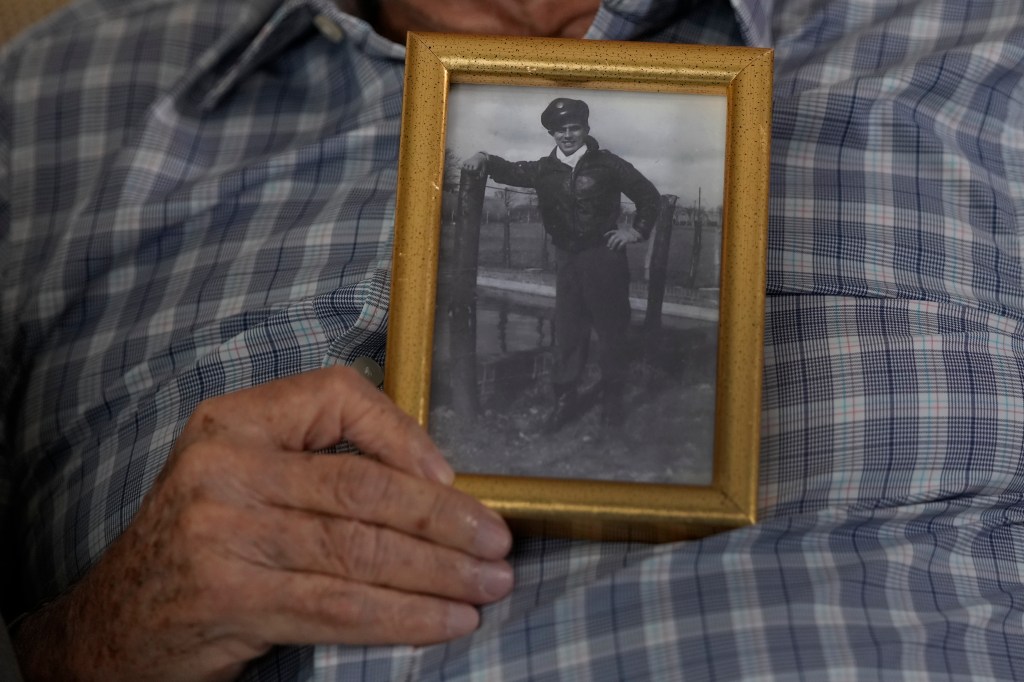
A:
[562, 111]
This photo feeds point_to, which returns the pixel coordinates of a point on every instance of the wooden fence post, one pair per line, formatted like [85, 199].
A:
[659, 262]
[506, 237]
[462, 305]
[698, 238]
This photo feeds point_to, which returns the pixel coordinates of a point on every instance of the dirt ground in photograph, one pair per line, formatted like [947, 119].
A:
[667, 435]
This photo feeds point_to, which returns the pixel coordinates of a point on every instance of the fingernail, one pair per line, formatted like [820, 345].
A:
[437, 470]
[492, 536]
[462, 619]
[495, 580]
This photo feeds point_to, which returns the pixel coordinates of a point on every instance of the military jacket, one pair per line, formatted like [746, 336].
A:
[579, 206]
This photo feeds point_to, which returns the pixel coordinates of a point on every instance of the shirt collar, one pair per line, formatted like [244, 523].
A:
[630, 19]
[634, 17]
[267, 26]
[754, 19]
[267, 29]
[571, 159]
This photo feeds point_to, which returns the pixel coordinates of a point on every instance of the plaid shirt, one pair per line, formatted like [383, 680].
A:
[196, 196]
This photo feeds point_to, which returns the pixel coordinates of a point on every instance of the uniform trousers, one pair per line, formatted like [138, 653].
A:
[592, 293]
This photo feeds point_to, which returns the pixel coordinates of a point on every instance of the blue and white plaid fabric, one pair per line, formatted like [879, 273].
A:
[196, 196]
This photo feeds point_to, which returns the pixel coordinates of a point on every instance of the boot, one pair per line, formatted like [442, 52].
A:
[613, 410]
[566, 409]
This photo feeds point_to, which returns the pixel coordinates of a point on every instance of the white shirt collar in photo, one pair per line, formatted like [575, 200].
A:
[571, 159]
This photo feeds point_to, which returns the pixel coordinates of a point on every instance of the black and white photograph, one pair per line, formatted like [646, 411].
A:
[576, 323]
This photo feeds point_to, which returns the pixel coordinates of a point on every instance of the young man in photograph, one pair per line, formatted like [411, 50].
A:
[579, 189]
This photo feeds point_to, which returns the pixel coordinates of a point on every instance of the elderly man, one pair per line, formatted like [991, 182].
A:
[579, 189]
[195, 219]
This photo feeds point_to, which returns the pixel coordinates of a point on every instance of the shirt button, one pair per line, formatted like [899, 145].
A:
[369, 369]
[329, 28]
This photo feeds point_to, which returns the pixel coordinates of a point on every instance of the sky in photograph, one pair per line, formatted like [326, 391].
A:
[677, 141]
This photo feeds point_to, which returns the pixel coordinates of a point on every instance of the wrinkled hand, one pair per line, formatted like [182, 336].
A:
[476, 163]
[249, 539]
[620, 236]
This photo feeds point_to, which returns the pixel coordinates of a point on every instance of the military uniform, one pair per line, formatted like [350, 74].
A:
[578, 207]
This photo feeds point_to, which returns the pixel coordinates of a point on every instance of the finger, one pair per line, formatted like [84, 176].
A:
[315, 543]
[318, 409]
[352, 487]
[322, 609]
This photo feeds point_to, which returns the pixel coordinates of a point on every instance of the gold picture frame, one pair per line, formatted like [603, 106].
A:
[742, 79]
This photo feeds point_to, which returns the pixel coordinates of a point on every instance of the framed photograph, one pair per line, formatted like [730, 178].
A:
[579, 272]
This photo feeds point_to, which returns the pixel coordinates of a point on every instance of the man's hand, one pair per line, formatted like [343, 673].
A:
[250, 539]
[620, 236]
[476, 163]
